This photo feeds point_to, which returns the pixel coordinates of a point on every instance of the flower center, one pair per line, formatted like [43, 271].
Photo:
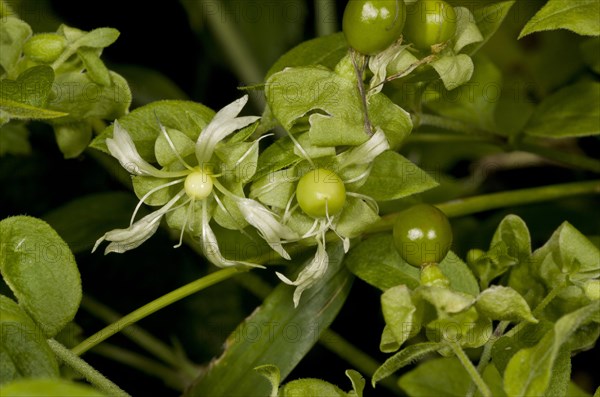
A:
[321, 192]
[198, 185]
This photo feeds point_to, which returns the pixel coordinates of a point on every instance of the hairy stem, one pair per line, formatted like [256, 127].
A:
[360, 71]
[87, 371]
[141, 337]
[470, 368]
[486, 202]
[154, 306]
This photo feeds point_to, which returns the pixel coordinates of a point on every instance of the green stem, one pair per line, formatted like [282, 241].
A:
[501, 328]
[470, 368]
[487, 353]
[486, 202]
[446, 124]
[141, 337]
[172, 378]
[325, 17]
[86, 370]
[426, 137]
[154, 306]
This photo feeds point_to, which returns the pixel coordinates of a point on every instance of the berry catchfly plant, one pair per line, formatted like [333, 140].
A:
[321, 197]
[197, 186]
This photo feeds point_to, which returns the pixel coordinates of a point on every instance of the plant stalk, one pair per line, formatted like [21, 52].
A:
[86, 370]
[486, 202]
[154, 306]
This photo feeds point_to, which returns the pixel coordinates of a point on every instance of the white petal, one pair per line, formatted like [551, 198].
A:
[222, 125]
[311, 273]
[210, 246]
[270, 229]
[122, 148]
[365, 153]
[126, 239]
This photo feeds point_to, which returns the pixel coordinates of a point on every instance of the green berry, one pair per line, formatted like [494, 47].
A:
[321, 192]
[422, 235]
[430, 22]
[370, 26]
[198, 185]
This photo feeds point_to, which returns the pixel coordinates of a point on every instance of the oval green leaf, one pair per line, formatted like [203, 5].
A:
[40, 269]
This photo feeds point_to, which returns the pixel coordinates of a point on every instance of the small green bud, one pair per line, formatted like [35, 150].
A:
[45, 47]
[432, 275]
[474, 254]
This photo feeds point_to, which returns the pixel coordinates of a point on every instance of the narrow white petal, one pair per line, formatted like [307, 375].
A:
[122, 148]
[366, 152]
[210, 245]
[126, 239]
[311, 273]
[270, 229]
[222, 125]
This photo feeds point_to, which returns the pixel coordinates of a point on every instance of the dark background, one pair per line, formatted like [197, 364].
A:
[166, 37]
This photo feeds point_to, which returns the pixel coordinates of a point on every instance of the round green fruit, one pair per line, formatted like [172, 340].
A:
[321, 192]
[422, 235]
[45, 47]
[430, 22]
[198, 185]
[370, 26]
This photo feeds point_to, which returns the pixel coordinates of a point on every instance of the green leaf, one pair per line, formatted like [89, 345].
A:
[326, 51]
[393, 177]
[40, 269]
[494, 263]
[14, 139]
[579, 16]
[446, 377]
[460, 276]
[277, 156]
[277, 334]
[590, 51]
[184, 146]
[275, 189]
[488, 18]
[358, 382]
[571, 112]
[504, 303]
[332, 107]
[467, 31]
[311, 387]
[454, 70]
[21, 111]
[79, 96]
[376, 261]
[48, 388]
[403, 358]
[271, 372]
[32, 87]
[82, 221]
[73, 138]
[13, 33]
[513, 231]
[398, 312]
[473, 103]
[98, 38]
[540, 358]
[511, 343]
[561, 375]
[567, 256]
[94, 66]
[356, 217]
[144, 129]
[24, 352]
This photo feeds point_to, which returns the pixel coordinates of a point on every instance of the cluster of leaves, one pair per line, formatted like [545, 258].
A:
[58, 78]
[510, 306]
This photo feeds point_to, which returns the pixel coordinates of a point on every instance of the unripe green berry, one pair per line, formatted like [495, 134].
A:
[321, 192]
[592, 289]
[45, 47]
[430, 22]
